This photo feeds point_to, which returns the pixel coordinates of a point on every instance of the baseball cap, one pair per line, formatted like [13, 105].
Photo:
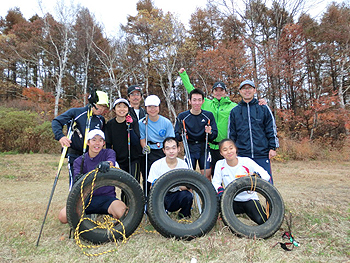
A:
[152, 100]
[95, 132]
[132, 88]
[102, 98]
[121, 100]
[219, 84]
[247, 82]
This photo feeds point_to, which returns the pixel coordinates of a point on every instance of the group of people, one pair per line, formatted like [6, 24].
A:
[141, 141]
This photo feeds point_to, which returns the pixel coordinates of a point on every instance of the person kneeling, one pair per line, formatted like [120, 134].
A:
[104, 199]
[179, 197]
[233, 167]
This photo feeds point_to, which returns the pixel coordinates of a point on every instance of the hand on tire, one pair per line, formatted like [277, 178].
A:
[103, 167]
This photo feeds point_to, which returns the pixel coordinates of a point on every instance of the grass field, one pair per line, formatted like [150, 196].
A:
[315, 192]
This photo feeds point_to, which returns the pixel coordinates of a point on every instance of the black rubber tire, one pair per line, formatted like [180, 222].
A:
[135, 203]
[170, 228]
[272, 196]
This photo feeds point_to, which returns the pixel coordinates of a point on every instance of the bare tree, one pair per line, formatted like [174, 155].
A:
[59, 35]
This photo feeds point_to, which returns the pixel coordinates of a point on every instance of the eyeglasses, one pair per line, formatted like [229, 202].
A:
[135, 94]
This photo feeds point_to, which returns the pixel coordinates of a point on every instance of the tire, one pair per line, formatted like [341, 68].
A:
[171, 228]
[134, 197]
[272, 196]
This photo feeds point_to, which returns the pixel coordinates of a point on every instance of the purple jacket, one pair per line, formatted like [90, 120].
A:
[91, 163]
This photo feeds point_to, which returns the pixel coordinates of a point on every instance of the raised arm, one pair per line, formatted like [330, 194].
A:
[186, 80]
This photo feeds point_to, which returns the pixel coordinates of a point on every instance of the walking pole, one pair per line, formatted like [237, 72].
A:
[146, 161]
[128, 124]
[63, 155]
[206, 152]
[87, 129]
[188, 157]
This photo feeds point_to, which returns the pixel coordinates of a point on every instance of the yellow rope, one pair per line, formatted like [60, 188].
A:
[108, 223]
[252, 188]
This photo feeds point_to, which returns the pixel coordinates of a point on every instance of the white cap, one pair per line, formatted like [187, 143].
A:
[95, 132]
[121, 100]
[152, 100]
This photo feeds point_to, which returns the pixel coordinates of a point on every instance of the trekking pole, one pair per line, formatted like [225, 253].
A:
[129, 120]
[188, 157]
[63, 155]
[92, 100]
[206, 152]
[146, 161]
[128, 124]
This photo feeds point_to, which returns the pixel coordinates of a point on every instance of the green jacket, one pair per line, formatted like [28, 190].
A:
[220, 108]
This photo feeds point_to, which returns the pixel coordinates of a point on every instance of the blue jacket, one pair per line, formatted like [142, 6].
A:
[79, 115]
[252, 127]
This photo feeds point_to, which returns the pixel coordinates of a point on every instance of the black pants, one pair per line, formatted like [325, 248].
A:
[252, 208]
[155, 155]
[215, 156]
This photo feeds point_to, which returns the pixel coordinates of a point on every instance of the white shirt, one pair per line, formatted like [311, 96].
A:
[137, 111]
[225, 174]
[160, 167]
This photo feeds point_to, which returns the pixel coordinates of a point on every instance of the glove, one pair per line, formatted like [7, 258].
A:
[128, 119]
[146, 150]
[93, 97]
[77, 177]
[103, 167]
[220, 192]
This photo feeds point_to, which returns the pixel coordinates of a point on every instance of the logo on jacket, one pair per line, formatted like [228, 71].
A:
[162, 132]
[203, 120]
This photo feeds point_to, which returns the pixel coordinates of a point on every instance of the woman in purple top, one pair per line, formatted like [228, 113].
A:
[104, 199]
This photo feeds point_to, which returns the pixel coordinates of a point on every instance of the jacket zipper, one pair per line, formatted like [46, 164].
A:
[250, 131]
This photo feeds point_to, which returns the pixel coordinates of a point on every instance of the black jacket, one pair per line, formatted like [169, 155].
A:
[252, 127]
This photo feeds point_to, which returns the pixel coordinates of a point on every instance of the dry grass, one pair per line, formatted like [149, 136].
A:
[315, 192]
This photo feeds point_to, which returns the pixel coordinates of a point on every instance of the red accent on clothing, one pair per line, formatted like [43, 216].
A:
[246, 169]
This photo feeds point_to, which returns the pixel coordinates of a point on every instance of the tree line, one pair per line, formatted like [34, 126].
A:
[300, 64]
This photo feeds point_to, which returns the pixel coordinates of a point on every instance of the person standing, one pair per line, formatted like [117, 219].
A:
[253, 128]
[197, 123]
[120, 131]
[220, 106]
[79, 116]
[157, 128]
[178, 197]
[135, 97]
[137, 113]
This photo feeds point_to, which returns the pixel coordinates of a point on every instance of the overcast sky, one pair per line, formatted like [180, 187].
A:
[111, 13]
